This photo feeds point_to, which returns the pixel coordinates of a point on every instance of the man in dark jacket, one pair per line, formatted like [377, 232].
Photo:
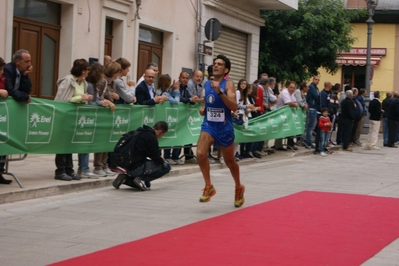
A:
[374, 121]
[385, 107]
[17, 82]
[393, 117]
[346, 118]
[145, 91]
[313, 101]
[142, 169]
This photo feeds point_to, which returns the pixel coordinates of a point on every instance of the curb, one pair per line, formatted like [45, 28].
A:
[87, 184]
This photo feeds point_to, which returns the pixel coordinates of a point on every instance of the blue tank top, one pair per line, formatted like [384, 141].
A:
[217, 114]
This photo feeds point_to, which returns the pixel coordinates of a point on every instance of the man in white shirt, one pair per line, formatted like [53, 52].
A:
[286, 97]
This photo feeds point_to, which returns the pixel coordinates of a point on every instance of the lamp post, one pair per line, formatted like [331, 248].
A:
[371, 5]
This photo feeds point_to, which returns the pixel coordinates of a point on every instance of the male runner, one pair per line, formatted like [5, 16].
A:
[220, 100]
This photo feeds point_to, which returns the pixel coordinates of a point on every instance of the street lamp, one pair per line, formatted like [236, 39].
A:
[371, 5]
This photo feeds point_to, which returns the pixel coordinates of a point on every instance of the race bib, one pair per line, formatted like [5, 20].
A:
[215, 114]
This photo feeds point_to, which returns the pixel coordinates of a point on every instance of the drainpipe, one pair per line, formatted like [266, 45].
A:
[198, 24]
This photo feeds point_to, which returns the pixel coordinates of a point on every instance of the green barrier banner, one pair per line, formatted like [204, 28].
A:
[49, 127]
[281, 123]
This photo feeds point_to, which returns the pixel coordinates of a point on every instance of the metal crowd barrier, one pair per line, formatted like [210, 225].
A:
[12, 158]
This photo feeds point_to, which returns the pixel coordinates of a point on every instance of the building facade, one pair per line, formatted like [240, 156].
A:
[384, 72]
[56, 32]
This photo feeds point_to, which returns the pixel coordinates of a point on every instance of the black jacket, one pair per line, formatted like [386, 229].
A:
[143, 95]
[348, 110]
[375, 110]
[25, 85]
[386, 103]
[393, 111]
[145, 146]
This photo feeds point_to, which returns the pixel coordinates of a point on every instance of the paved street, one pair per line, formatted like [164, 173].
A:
[49, 229]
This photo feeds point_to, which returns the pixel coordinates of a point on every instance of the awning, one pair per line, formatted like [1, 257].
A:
[357, 60]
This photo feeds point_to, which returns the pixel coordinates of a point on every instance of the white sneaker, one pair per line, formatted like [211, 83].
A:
[170, 161]
[89, 174]
[374, 148]
[221, 160]
[179, 162]
[323, 154]
[211, 160]
[108, 172]
[100, 172]
[192, 160]
[367, 147]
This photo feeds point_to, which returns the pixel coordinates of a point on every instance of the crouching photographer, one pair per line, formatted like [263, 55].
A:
[138, 153]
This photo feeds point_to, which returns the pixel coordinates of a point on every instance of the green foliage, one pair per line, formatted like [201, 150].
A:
[296, 43]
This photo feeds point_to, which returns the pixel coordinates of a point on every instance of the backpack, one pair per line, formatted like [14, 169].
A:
[122, 151]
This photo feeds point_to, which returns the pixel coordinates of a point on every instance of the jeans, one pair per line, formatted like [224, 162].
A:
[175, 153]
[83, 162]
[156, 171]
[323, 140]
[385, 130]
[257, 146]
[312, 120]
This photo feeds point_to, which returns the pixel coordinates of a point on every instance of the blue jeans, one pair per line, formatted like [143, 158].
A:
[385, 130]
[257, 146]
[147, 172]
[323, 140]
[312, 120]
[83, 162]
[175, 153]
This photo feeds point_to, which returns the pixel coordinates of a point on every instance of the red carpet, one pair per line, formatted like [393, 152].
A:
[307, 228]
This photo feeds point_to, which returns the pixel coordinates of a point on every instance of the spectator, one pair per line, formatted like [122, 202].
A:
[96, 74]
[325, 102]
[346, 118]
[300, 96]
[385, 107]
[342, 97]
[127, 95]
[313, 101]
[142, 169]
[72, 88]
[107, 59]
[173, 96]
[363, 112]
[172, 93]
[195, 87]
[3, 94]
[153, 66]
[107, 91]
[17, 82]
[325, 126]
[145, 92]
[374, 121]
[393, 117]
[359, 112]
[287, 97]
[186, 97]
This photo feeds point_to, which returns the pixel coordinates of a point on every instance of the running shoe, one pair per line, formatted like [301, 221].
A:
[209, 191]
[239, 197]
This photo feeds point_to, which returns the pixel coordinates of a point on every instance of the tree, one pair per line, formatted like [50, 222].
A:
[296, 43]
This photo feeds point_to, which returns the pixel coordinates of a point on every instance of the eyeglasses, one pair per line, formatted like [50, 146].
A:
[150, 77]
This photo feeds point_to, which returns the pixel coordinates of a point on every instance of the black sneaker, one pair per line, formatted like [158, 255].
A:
[63, 177]
[74, 176]
[137, 181]
[119, 181]
[147, 184]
